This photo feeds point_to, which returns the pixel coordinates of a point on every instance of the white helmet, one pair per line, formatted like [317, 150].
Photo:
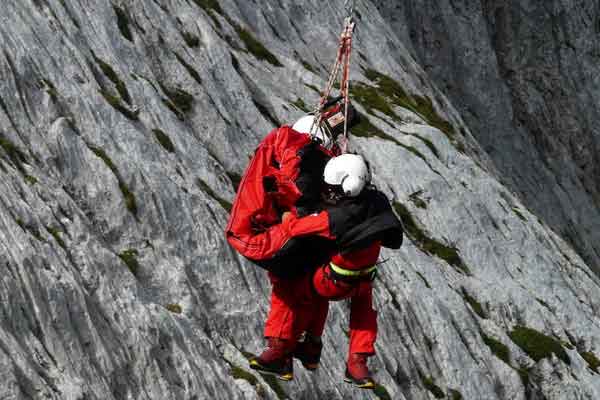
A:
[348, 170]
[304, 124]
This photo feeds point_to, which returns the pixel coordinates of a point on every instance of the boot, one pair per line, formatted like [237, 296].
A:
[276, 359]
[308, 351]
[357, 372]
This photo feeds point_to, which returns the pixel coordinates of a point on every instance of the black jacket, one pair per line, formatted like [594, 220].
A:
[356, 223]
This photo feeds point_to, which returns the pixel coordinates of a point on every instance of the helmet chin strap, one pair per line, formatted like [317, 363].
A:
[342, 184]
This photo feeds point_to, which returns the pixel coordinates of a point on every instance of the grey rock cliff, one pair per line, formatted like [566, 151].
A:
[524, 75]
[125, 126]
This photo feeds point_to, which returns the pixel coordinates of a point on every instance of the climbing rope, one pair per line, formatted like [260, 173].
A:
[341, 64]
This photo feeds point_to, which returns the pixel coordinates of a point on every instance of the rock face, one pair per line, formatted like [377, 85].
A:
[524, 76]
[125, 126]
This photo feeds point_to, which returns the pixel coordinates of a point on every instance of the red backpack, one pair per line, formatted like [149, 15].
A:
[255, 228]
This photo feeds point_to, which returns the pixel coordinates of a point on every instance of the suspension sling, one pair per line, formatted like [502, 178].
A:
[341, 70]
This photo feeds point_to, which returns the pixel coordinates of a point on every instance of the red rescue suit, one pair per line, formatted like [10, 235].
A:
[268, 188]
[256, 231]
[302, 304]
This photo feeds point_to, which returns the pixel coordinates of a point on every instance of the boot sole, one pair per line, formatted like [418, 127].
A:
[255, 365]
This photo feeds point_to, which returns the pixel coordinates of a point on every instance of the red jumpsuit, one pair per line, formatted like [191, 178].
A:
[294, 305]
[254, 228]
[302, 304]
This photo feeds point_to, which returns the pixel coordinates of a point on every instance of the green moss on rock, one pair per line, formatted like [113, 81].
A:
[366, 129]
[519, 214]
[240, 373]
[31, 180]
[115, 102]
[313, 88]
[169, 104]
[429, 144]
[381, 392]
[425, 281]
[592, 360]
[544, 304]
[129, 257]
[209, 5]
[371, 99]
[181, 99]
[301, 105]
[387, 86]
[537, 345]
[164, 140]
[308, 66]
[191, 39]
[430, 385]
[104, 157]
[190, 69]
[56, 235]
[497, 348]
[112, 75]
[274, 384]
[427, 244]
[205, 188]
[475, 305]
[33, 230]
[524, 375]
[417, 200]
[256, 48]
[390, 91]
[12, 151]
[49, 87]
[424, 107]
[128, 196]
[174, 308]
[455, 394]
[123, 22]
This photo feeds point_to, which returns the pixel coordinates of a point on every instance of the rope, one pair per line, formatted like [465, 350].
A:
[342, 62]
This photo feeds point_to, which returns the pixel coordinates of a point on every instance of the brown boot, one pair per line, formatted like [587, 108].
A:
[357, 372]
[308, 351]
[276, 359]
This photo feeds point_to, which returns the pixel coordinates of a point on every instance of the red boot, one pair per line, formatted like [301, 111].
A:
[308, 351]
[276, 359]
[358, 373]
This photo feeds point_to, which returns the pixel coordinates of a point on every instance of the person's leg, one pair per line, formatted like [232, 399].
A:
[311, 323]
[279, 330]
[363, 333]
[317, 291]
[284, 304]
[363, 321]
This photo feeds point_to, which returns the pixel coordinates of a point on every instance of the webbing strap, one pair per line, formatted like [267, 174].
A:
[342, 64]
[351, 273]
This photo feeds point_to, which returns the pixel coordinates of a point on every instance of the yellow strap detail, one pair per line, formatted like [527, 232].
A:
[350, 272]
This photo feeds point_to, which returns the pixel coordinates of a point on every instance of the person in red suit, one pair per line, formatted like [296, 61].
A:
[278, 222]
[276, 203]
[302, 304]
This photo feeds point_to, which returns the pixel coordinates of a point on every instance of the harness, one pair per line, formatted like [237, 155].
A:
[353, 274]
